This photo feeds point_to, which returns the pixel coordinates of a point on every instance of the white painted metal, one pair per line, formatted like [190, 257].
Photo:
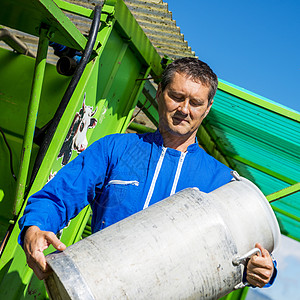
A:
[180, 248]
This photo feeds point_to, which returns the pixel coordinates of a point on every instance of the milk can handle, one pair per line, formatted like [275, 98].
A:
[238, 260]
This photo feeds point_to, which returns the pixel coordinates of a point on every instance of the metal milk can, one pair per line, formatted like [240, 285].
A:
[191, 245]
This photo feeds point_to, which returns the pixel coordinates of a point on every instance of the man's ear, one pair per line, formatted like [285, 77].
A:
[208, 108]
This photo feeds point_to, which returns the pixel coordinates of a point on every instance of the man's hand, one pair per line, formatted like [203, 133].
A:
[260, 268]
[35, 242]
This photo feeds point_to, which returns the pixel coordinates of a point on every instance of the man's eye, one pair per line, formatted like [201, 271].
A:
[196, 103]
[176, 98]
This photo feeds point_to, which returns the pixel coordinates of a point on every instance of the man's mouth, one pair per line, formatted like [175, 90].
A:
[178, 120]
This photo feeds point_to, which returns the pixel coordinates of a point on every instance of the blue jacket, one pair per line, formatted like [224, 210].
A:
[120, 175]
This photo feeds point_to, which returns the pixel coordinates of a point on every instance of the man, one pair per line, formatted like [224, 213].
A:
[122, 174]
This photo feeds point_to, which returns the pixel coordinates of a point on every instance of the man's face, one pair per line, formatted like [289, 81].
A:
[182, 105]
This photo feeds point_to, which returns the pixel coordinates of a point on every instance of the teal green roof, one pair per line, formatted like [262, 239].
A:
[261, 140]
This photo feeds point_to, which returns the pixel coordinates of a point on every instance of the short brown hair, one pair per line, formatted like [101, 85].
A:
[194, 68]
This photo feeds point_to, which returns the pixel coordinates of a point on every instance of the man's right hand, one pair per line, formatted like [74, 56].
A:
[35, 242]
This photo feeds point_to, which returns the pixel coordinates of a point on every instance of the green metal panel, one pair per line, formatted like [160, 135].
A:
[130, 29]
[112, 82]
[16, 80]
[29, 15]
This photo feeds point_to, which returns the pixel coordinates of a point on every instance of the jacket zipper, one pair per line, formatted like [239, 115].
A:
[178, 171]
[157, 170]
[124, 182]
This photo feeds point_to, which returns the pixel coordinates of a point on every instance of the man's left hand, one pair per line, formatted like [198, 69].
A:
[260, 268]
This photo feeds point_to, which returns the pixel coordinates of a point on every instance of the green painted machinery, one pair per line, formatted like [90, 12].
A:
[35, 124]
[40, 108]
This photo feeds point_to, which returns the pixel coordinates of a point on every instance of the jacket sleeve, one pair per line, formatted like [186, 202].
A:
[72, 188]
[270, 283]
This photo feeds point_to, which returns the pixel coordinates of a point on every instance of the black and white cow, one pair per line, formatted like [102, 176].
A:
[76, 138]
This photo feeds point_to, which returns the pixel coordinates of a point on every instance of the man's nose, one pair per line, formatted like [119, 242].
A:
[184, 107]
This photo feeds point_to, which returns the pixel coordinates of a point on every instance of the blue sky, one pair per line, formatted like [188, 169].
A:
[253, 44]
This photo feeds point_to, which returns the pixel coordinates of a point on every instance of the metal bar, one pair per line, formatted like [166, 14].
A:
[284, 192]
[261, 168]
[285, 213]
[138, 88]
[151, 109]
[140, 128]
[148, 109]
[74, 8]
[15, 43]
[38, 77]
[247, 96]
[150, 93]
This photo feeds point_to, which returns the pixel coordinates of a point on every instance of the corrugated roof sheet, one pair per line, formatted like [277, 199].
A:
[152, 15]
[156, 21]
[262, 141]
